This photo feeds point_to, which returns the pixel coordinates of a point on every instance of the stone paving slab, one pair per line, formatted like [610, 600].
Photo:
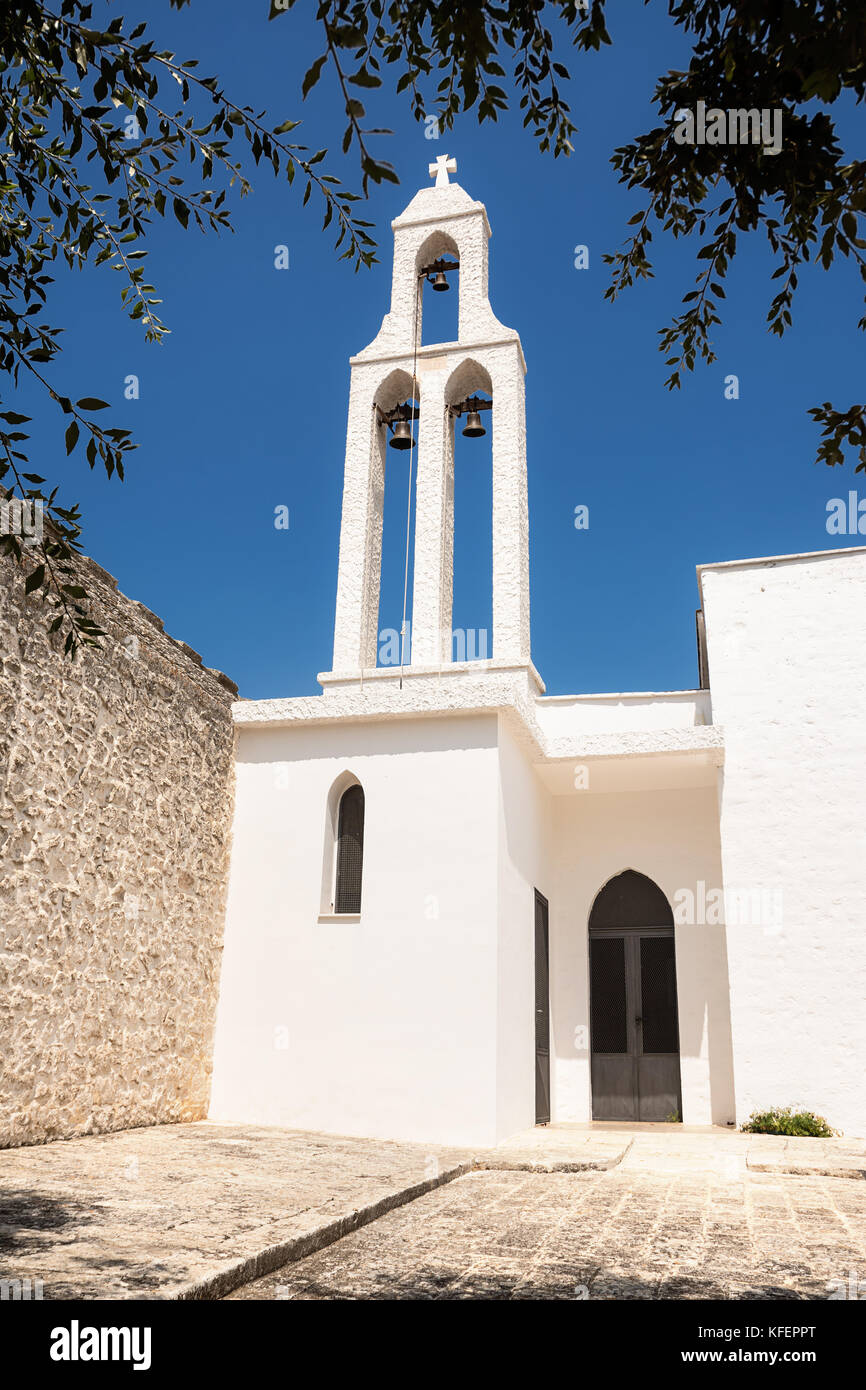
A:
[615, 1234]
[559, 1149]
[180, 1211]
[839, 1158]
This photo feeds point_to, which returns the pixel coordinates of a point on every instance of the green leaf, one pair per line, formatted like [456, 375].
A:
[72, 437]
[363, 78]
[35, 580]
[181, 212]
[91, 403]
[312, 75]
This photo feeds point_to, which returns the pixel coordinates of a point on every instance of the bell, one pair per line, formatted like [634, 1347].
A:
[473, 429]
[402, 436]
[440, 281]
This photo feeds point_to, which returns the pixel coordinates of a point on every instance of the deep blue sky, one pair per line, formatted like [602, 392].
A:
[244, 407]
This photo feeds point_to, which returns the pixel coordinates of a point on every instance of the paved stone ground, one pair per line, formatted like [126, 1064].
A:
[194, 1210]
[628, 1233]
[148, 1213]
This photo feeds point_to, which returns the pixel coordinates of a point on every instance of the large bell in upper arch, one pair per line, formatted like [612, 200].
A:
[473, 429]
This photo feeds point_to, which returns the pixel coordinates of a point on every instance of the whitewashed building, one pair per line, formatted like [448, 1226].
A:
[458, 905]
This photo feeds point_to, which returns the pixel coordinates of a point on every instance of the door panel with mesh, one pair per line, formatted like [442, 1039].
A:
[608, 994]
[658, 986]
[614, 1094]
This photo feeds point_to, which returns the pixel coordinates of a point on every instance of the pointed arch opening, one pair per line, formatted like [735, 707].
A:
[395, 511]
[343, 860]
[630, 899]
[439, 310]
[471, 476]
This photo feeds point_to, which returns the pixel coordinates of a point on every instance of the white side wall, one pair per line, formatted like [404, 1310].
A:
[672, 837]
[788, 681]
[389, 1024]
[525, 833]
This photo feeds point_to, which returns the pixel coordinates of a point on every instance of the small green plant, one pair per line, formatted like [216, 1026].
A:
[786, 1120]
[673, 1118]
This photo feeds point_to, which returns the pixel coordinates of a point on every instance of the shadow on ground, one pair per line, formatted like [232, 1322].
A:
[30, 1220]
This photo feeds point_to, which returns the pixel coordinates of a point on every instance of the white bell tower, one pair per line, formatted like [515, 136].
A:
[441, 223]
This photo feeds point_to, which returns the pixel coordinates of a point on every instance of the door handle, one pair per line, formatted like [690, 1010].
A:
[638, 1020]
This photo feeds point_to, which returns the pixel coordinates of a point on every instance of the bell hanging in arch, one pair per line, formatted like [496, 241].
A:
[440, 282]
[473, 429]
[402, 435]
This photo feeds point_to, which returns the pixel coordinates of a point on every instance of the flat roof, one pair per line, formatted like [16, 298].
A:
[778, 560]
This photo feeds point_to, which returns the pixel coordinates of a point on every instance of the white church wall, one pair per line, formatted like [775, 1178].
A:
[672, 837]
[788, 683]
[384, 1026]
[525, 831]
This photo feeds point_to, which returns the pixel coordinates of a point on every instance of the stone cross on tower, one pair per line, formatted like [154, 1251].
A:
[440, 223]
[441, 168]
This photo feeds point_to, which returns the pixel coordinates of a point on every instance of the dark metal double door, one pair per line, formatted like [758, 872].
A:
[635, 1059]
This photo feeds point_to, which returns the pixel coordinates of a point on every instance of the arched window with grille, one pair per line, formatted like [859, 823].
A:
[350, 850]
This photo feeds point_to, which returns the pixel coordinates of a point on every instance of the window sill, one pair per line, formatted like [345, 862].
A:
[339, 917]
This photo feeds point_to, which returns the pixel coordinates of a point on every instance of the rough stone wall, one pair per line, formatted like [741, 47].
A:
[116, 788]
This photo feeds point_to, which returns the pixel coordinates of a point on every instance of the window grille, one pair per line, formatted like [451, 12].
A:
[350, 850]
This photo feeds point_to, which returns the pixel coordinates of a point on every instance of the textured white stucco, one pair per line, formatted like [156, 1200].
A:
[487, 357]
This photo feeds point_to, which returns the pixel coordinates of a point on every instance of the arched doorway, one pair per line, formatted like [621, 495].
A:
[634, 1030]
